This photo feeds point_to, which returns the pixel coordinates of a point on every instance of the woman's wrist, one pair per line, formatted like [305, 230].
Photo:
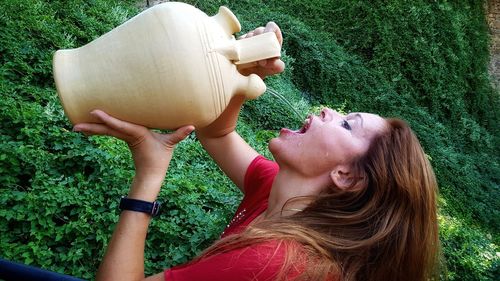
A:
[225, 123]
[146, 188]
[211, 134]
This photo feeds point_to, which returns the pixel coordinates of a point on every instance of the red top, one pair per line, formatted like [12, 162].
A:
[259, 262]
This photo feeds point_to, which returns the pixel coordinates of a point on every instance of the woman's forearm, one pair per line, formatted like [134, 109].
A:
[151, 152]
[124, 258]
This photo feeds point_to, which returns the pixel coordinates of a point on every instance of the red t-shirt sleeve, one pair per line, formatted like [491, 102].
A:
[259, 178]
[260, 262]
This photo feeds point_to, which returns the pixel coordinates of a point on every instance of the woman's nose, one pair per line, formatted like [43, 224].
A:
[328, 114]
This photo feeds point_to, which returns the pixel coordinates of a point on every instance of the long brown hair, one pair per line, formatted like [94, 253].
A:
[385, 231]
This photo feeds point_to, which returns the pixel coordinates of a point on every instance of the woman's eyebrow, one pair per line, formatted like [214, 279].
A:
[355, 115]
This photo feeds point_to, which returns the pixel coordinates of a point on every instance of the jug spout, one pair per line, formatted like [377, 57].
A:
[256, 48]
[260, 47]
[250, 86]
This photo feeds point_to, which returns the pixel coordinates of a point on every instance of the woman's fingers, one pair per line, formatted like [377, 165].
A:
[273, 27]
[275, 65]
[270, 67]
[179, 134]
[131, 133]
[270, 27]
[118, 125]
[98, 129]
[258, 30]
[262, 63]
[111, 126]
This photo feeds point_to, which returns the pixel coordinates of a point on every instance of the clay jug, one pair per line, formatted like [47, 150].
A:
[169, 66]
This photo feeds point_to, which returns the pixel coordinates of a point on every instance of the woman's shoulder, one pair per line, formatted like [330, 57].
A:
[260, 172]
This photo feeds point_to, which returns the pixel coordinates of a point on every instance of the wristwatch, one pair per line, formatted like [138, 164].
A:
[129, 204]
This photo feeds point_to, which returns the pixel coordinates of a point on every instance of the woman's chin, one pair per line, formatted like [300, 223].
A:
[274, 145]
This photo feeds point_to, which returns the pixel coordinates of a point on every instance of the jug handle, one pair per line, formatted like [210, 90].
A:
[227, 20]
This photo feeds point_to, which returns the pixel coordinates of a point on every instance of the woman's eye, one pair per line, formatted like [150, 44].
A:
[346, 125]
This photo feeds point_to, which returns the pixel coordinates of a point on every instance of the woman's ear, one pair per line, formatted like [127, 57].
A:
[346, 178]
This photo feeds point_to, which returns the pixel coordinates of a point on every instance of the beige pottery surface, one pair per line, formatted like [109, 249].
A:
[169, 66]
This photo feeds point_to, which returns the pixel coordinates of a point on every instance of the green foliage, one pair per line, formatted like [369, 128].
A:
[471, 253]
[423, 61]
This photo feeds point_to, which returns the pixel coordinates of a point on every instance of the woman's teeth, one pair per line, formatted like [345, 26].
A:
[305, 127]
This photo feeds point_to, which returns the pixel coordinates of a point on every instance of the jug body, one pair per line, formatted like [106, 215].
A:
[163, 69]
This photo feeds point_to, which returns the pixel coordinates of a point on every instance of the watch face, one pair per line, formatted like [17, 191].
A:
[156, 209]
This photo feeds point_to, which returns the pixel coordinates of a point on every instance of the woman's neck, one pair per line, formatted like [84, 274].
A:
[289, 185]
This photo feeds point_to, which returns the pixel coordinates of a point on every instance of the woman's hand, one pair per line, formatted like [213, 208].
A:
[226, 122]
[151, 151]
[266, 67]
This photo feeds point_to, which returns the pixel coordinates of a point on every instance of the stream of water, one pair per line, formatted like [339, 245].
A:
[274, 93]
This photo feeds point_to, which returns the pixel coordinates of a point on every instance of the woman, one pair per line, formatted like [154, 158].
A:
[349, 198]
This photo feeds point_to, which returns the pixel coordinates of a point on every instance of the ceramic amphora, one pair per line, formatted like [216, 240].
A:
[169, 66]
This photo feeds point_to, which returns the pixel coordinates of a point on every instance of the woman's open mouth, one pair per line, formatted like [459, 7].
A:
[302, 130]
[305, 127]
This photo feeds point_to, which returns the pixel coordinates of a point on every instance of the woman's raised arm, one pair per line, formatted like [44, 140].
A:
[225, 146]
[152, 152]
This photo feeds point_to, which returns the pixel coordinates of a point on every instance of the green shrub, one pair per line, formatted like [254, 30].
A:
[421, 61]
[471, 253]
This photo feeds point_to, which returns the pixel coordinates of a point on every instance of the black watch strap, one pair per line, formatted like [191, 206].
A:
[129, 204]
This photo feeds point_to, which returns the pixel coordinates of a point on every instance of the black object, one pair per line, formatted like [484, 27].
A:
[10, 271]
[152, 208]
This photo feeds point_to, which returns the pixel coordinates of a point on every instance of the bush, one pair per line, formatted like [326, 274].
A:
[421, 61]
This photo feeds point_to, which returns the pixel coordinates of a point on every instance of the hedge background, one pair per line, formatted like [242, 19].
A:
[423, 61]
